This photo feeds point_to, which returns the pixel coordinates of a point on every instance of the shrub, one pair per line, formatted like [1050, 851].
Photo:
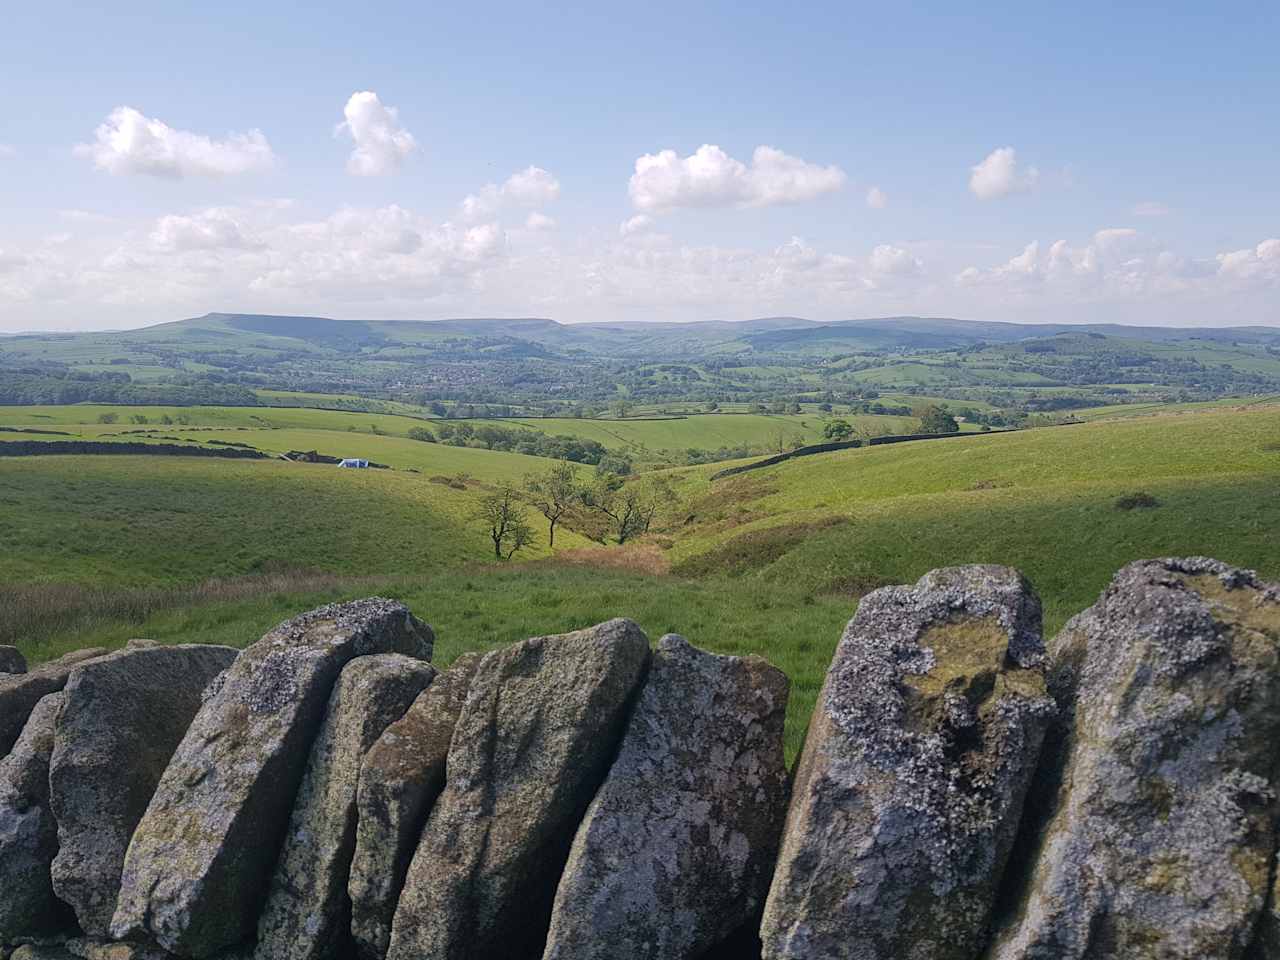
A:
[423, 434]
[1137, 501]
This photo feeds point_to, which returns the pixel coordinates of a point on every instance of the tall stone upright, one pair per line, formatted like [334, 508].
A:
[909, 790]
[20, 692]
[197, 870]
[534, 741]
[677, 849]
[123, 716]
[1160, 838]
[28, 833]
[401, 777]
[307, 915]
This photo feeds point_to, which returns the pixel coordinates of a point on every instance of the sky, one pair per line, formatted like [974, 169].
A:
[661, 161]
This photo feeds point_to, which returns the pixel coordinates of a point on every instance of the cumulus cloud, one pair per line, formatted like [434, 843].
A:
[212, 229]
[640, 223]
[1257, 263]
[711, 178]
[1125, 265]
[128, 142]
[1000, 175]
[877, 199]
[889, 261]
[531, 187]
[381, 144]
[539, 221]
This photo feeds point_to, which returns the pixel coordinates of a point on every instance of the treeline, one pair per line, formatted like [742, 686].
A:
[27, 387]
[522, 440]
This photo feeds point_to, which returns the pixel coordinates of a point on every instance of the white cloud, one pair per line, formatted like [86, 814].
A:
[128, 142]
[877, 199]
[531, 187]
[381, 143]
[890, 261]
[7, 152]
[539, 221]
[1260, 263]
[999, 175]
[1123, 265]
[711, 178]
[640, 223]
[213, 229]
[1151, 208]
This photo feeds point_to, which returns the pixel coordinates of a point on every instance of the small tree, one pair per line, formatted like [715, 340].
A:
[507, 522]
[554, 493]
[108, 417]
[626, 510]
[422, 433]
[838, 430]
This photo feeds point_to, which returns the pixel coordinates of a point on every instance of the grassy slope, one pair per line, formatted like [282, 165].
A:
[771, 561]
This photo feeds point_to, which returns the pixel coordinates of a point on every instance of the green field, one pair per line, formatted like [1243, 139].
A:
[380, 436]
[770, 561]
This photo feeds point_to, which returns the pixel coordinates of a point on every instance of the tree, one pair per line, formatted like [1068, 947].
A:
[626, 510]
[422, 433]
[108, 417]
[935, 419]
[838, 430]
[554, 493]
[507, 522]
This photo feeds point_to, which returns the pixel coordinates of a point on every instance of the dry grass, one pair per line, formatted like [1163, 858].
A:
[34, 611]
[642, 557]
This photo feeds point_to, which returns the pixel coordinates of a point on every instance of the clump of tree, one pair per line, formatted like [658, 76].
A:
[936, 419]
[507, 522]
[838, 431]
[422, 434]
[620, 511]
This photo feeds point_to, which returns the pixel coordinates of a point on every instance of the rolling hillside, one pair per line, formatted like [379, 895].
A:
[772, 561]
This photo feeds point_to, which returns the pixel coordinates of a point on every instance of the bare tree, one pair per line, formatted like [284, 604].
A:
[508, 524]
[628, 509]
[555, 494]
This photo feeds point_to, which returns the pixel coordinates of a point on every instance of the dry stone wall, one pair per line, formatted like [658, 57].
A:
[966, 791]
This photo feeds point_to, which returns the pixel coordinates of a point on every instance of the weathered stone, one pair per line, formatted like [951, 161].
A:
[677, 848]
[123, 716]
[138, 643]
[308, 913]
[41, 951]
[90, 948]
[199, 863]
[533, 743]
[28, 834]
[400, 779]
[1160, 844]
[12, 660]
[20, 692]
[909, 788]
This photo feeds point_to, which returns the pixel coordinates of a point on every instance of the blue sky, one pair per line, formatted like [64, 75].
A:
[1029, 163]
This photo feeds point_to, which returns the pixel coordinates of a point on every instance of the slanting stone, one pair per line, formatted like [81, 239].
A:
[909, 789]
[124, 715]
[28, 834]
[20, 692]
[533, 743]
[400, 779]
[12, 660]
[1161, 839]
[308, 913]
[677, 848]
[199, 863]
